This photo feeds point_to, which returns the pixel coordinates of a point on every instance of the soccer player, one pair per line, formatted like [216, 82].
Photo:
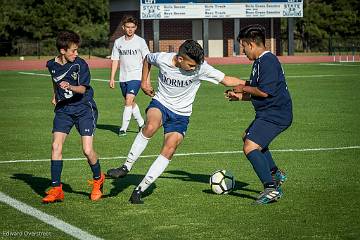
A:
[129, 50]
[268, 92]
[179, 78]
[74, 105]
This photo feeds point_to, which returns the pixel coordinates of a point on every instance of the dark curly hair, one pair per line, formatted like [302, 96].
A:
[252, 33]
[193, 50]
[66, 38]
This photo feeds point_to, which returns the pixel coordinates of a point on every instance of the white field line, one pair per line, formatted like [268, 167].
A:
[302, 76]
[46, 218]
[193, 154]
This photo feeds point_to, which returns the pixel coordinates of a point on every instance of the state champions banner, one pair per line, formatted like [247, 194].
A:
[191, 9]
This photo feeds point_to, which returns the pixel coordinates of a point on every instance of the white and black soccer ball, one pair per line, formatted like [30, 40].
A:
[222, 182]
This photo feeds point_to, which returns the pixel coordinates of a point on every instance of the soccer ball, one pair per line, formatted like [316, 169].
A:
[222, 182]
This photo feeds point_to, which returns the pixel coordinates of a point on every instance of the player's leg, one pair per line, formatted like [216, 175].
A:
[134, 87]
[171, 142]
[86, 125]
[259, 135]
[62, 125]
[153, 123]
[175, 127]
[126, 116]
[278, 175]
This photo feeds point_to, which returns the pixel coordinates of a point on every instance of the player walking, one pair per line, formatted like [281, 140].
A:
[74, 105]
[268, 92]
[180, 76]
[129, 50]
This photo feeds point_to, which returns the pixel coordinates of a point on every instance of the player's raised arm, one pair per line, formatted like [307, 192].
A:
[145, 79]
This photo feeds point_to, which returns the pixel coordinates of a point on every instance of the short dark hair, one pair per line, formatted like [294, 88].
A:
[66, 38]
[129, 19]
[193, 50]
[252, 33]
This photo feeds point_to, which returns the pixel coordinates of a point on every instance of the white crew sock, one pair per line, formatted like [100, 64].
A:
[126, 118]
[137, 115]
[136, 149]
[156, 169]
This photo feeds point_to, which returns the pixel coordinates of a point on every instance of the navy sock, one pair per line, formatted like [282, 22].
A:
[96, 169]
[261, 167]
[56, 169]
[270, 160]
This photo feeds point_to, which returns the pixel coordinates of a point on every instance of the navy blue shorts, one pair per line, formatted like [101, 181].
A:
[83, 116]
[130, 87]
[263, 132]
[171, 121]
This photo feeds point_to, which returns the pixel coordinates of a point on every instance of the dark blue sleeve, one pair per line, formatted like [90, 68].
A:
[84, 74]
[268, 75]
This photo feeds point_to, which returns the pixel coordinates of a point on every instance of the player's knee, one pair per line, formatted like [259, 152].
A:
[88, 151]
[149, 130]
[56, 148]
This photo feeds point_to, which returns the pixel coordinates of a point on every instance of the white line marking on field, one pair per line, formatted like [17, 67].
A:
[46, 218]
[194, 154]
[341, 64]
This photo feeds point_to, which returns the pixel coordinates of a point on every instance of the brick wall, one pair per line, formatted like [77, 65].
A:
[174, 32]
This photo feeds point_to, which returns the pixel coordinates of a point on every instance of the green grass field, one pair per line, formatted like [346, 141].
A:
[320, 154]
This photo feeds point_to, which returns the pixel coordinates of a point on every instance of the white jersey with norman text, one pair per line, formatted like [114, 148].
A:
[131, 54]
[176, 87]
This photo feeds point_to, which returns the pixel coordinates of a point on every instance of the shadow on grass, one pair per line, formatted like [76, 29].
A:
[40, 184]
[186, 176]
[131, 180]
[114, 128]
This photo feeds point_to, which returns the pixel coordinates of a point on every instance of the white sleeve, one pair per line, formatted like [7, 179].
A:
[153, 58]
[115, 55]
[144, 49]
[210, 74]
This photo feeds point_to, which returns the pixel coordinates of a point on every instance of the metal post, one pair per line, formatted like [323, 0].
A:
[290, 36]
[206, 36]
[236, 33]
[156, 35]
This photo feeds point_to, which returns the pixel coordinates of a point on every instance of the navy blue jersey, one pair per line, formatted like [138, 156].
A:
[268, 76]
[76, 73]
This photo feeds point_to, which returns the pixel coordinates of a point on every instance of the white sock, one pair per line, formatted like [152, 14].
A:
[136, 149]
[137, 115]
[156, 169]
[126, 118]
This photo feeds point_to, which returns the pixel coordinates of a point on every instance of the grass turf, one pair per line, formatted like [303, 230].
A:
[321, 195]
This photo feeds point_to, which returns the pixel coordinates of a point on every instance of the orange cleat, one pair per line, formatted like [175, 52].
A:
[96, 191]
[55, 194]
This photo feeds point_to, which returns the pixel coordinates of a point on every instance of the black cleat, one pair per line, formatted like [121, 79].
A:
[118, 172]
[136, 197]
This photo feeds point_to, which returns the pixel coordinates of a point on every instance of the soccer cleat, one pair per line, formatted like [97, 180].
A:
[122, 133]
[55, 194]
[118, 172]
[269, 195]
[279, 177]
[136, 197]
[96, 191]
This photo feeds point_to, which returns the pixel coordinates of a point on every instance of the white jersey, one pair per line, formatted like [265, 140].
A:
[131, 54]
[176, 87]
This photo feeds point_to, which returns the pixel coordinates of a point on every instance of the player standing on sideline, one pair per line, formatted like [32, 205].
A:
[268, 92]
[74, 105]
[130, 50]
[179, 79]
